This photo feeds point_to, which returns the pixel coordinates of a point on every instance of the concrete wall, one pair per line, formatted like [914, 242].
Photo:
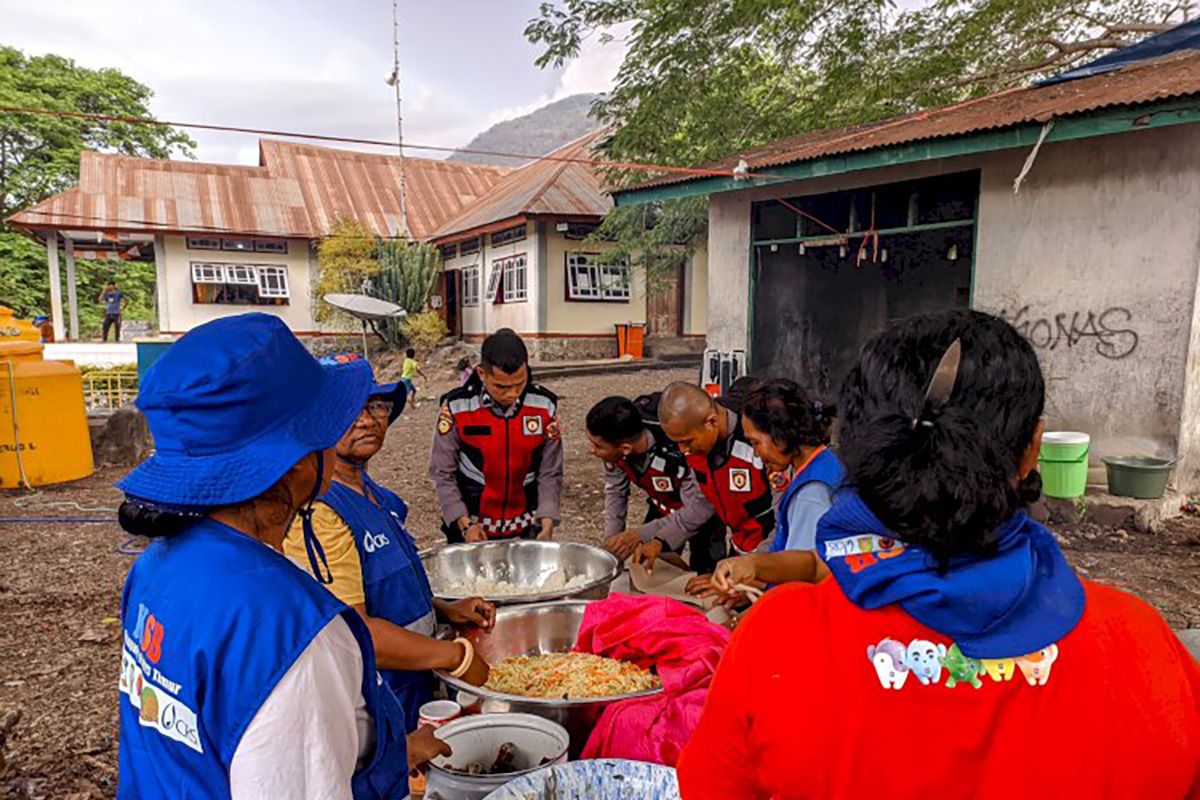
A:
[180, 314]
[521, 316]
[695, 282]
[1095, 261]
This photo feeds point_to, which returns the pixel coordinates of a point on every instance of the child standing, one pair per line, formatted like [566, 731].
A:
[410, 369]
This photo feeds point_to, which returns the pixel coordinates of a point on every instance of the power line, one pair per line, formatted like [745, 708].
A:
[636, 166]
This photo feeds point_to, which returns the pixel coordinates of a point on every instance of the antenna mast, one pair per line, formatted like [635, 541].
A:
[394, 80]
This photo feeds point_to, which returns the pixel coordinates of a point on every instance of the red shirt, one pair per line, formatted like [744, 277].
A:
[799, 709]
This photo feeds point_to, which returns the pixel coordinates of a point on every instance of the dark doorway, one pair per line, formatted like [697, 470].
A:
[454, 302]
[819, 296]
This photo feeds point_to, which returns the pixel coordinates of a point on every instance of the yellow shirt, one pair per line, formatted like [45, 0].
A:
[338, 542]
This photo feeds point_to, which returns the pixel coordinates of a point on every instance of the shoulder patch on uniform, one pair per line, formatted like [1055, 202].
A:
[552, 430]
[779, 481]
[445, 420]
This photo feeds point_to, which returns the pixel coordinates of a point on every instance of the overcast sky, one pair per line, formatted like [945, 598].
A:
[313, 65]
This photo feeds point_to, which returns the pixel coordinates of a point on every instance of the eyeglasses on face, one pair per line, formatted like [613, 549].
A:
[380, 409]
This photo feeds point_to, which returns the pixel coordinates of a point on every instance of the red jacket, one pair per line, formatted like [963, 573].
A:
[813, 699]
[734, 480]
[500, 467]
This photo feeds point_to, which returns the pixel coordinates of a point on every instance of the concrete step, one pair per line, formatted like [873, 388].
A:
[1099, 507]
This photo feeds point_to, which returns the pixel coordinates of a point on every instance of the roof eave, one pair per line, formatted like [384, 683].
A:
[1107, 121]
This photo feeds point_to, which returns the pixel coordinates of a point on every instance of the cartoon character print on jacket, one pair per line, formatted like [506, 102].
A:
[924, 658]
[890, 663]
[960, 668]
[1036, 666]
[999, 669]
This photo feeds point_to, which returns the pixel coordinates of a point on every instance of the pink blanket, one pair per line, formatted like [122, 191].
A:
[682, 646]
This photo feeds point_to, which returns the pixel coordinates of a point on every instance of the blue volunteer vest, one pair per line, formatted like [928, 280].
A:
[824, 468]
[394, 579]
[211, 621]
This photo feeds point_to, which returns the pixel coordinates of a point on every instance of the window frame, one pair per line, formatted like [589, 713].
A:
[600, 276]
[469, 246]
[470, 279]
[516, 233]
[508, 289]
[282, 290]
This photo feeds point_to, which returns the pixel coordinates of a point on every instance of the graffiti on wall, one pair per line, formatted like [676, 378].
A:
[1109, 333]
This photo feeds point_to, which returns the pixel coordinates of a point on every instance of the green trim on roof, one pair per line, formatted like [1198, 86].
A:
[1101, 123]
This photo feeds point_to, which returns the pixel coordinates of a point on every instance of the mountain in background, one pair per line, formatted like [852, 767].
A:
[536, 133]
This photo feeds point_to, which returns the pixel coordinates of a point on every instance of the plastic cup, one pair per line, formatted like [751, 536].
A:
[438, 712]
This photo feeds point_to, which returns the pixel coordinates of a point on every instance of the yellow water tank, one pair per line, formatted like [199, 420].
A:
[16, 330]
[43, 422]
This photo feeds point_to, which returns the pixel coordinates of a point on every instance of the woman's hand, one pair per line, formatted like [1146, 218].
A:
[647, 553]
[423, 747]
[472, 611]
[622, 545]
[477, 674]
[732, 571]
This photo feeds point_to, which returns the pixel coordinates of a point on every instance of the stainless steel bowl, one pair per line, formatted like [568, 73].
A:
[529, 630]
[523, 563]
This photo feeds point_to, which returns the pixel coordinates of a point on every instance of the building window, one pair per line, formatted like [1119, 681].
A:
[509, 235]
[240, 284]
[514, 286]
[470, 286]
[202, 243]
[493, 287]
[448, 251]
[273, 282]
[577, 231]
[237, 245]
[589, 280]
[468, 247]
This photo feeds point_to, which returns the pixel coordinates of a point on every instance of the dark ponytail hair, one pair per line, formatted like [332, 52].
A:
[941, 475]
[782, 410]
[142, 518]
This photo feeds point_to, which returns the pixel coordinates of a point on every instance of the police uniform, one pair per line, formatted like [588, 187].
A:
[502, 467]
[738, 486]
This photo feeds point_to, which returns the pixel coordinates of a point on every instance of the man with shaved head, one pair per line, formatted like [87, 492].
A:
[723, 462]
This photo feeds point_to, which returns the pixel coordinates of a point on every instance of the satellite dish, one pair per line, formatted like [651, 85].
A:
[365, 309]
[362, 307]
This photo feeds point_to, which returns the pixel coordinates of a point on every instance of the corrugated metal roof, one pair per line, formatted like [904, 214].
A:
[560, 188]
[296, 191]
[1166, 78]
[365, 186]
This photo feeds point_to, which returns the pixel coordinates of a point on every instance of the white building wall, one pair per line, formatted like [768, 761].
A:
[179, 314]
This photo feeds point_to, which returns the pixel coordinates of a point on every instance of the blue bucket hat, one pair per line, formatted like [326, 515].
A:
[232, 406]
[396, 392]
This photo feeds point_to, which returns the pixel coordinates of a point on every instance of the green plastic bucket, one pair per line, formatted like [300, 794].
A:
[1143, 478]
[1063, 462]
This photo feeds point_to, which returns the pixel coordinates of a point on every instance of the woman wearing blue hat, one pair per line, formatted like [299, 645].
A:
[369, 561]
[241, 677]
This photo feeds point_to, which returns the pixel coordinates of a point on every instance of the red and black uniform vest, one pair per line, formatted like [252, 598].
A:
[734, 480]
[499, 456]
[659, 472]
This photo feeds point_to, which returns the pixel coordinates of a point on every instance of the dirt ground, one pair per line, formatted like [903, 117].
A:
[60, 589]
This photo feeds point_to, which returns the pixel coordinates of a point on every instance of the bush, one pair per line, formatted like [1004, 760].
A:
[348, 259]
[424, 331]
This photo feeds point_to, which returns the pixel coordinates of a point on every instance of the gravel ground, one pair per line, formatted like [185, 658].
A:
[60, 589]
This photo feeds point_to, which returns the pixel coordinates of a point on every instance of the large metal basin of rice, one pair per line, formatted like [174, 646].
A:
[529, 630]
[520, 563]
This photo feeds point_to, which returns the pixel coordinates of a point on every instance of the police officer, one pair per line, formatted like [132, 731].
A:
[729, 473]
[626, 436]
[497, 459]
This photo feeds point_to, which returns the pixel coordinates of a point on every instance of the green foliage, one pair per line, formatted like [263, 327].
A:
[423, 331]
[704, 79]
[39, 155]
[407, 277]
[349, 259]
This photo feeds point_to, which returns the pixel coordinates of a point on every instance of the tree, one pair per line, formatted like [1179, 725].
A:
[348, 259]
[408, 276]
[704, 79]
[39, 155]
